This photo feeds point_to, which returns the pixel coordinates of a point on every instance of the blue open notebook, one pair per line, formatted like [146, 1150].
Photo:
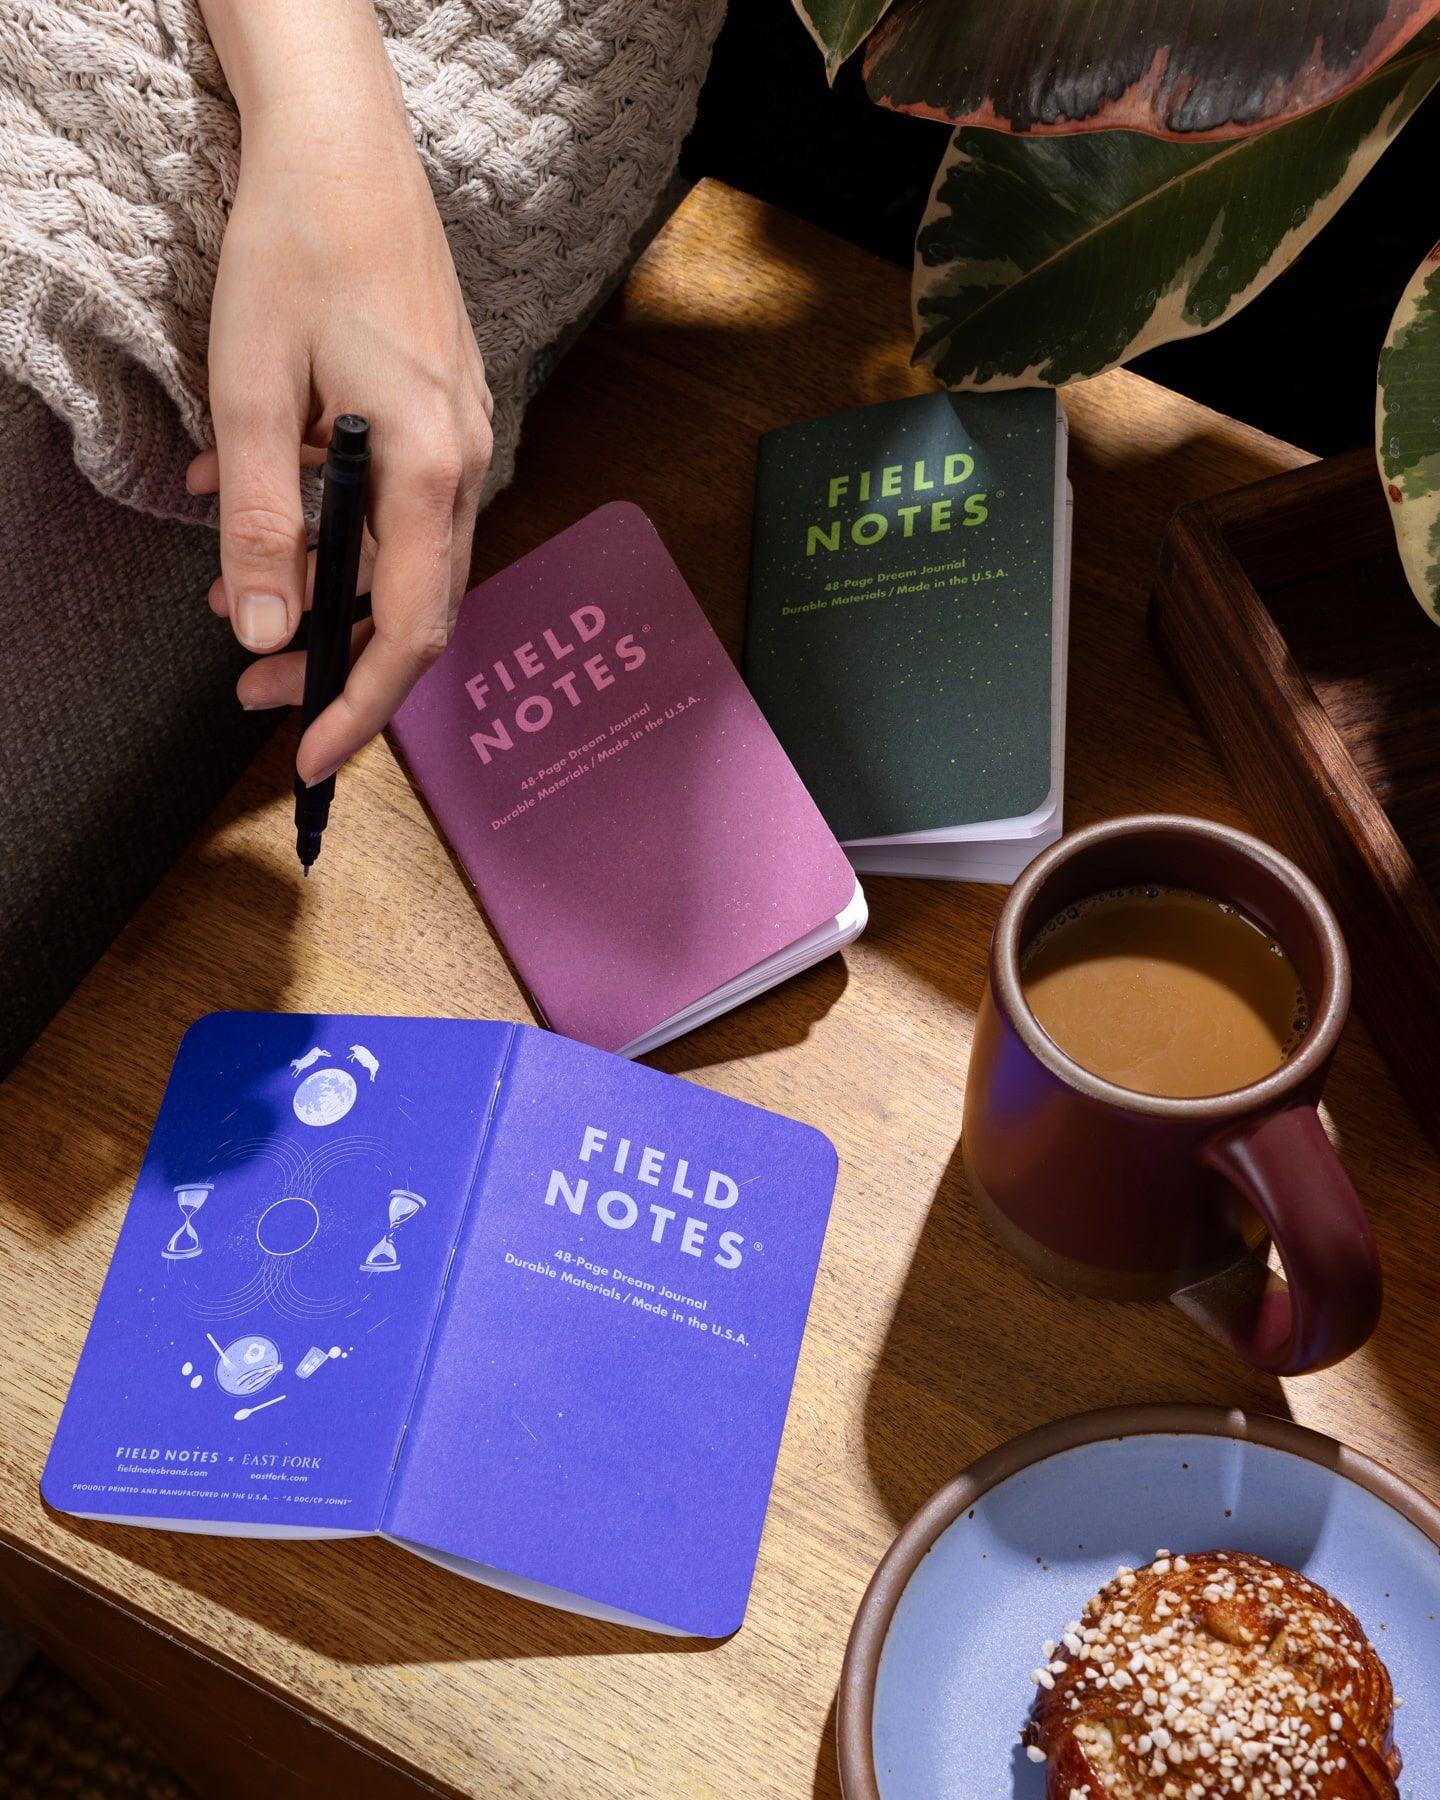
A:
[529, 1310]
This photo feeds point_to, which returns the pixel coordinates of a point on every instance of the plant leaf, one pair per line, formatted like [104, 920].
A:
[1407, 430]
[839, 27]
[1172, 68]
[1041, 260]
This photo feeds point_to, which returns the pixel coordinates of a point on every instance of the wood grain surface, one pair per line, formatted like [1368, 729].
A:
[926, 1345]
[1286, 617]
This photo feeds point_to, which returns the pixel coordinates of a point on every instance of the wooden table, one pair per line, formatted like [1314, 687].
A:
[349, 1668]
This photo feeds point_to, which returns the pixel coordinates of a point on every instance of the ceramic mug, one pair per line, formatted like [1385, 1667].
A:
[1126, 1195]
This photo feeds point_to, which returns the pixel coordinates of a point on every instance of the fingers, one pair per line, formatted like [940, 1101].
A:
[424, 494]
[220, 606]
[462, 542]
[262, 530]
[413, 514]
[280, 680]
[203, 474]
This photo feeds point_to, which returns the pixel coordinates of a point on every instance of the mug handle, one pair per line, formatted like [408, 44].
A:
[1329, 1301]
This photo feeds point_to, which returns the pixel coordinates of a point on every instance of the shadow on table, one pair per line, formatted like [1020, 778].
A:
[1394, 1168]
[94, 1142]
[979, 1350]
[363, 1601]
[463, 876]
[827, 1760]
[775, 1020]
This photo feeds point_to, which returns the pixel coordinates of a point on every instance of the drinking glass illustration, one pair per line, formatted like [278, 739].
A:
[382, 1258]
[185, 1241]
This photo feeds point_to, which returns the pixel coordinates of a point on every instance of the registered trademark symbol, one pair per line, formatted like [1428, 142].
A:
[644, 628]
[759, 1249]
[999, 495]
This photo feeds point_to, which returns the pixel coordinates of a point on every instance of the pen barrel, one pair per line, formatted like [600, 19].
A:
[312, 804]
[332, 608]
[337, 571]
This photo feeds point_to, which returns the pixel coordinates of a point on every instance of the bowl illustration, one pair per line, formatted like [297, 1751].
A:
[247, 1365]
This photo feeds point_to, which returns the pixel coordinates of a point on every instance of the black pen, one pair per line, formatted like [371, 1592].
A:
[332, 610]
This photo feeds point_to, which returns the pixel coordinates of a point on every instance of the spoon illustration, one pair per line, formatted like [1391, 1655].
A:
[245, 1411]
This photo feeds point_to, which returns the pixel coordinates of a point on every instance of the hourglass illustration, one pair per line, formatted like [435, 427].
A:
[185, 1241]
[382, 1258]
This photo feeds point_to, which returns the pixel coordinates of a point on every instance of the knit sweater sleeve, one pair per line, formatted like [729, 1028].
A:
[547, 129]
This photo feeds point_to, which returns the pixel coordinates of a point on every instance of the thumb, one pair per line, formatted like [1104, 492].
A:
[262, 528]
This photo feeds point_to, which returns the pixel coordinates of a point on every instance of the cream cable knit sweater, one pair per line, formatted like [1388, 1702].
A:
[547, 128]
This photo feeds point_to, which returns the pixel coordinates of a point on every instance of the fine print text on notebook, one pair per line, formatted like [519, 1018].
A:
[908, 621]
[639, 839]
[527, 1309]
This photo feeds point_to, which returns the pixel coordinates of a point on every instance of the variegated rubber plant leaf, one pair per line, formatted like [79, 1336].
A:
[840, 27]
[1172, 68]
[1046, 259]
[1407, 429]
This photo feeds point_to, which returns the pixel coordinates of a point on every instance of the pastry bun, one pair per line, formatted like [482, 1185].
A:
[1202, 1677]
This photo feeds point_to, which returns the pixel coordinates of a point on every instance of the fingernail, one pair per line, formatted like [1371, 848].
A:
[324, 775]
[261, 621]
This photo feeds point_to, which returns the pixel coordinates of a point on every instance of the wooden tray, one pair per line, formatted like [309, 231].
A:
[1283, 612]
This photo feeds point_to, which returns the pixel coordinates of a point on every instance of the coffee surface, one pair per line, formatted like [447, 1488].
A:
[1165, 992]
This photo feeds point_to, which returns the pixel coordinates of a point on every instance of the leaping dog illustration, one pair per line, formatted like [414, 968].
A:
[304, 1062]
[359, 1054]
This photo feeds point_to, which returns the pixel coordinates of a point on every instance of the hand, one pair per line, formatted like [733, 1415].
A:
[337, 293]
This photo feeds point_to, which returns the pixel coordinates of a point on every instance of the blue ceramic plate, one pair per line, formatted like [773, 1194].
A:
[937, 1677]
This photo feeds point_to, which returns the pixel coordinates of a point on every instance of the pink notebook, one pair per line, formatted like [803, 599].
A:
[636, 834]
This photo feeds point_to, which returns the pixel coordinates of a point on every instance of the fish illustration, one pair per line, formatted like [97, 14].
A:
[304, 1062]
[359, 1054]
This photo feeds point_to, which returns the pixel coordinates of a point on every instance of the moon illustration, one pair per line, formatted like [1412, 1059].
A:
[324, 1097]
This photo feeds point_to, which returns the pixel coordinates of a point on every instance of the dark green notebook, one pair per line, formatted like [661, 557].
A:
[907, 624]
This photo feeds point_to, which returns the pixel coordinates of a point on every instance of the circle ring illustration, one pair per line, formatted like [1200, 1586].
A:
[290, 1200]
